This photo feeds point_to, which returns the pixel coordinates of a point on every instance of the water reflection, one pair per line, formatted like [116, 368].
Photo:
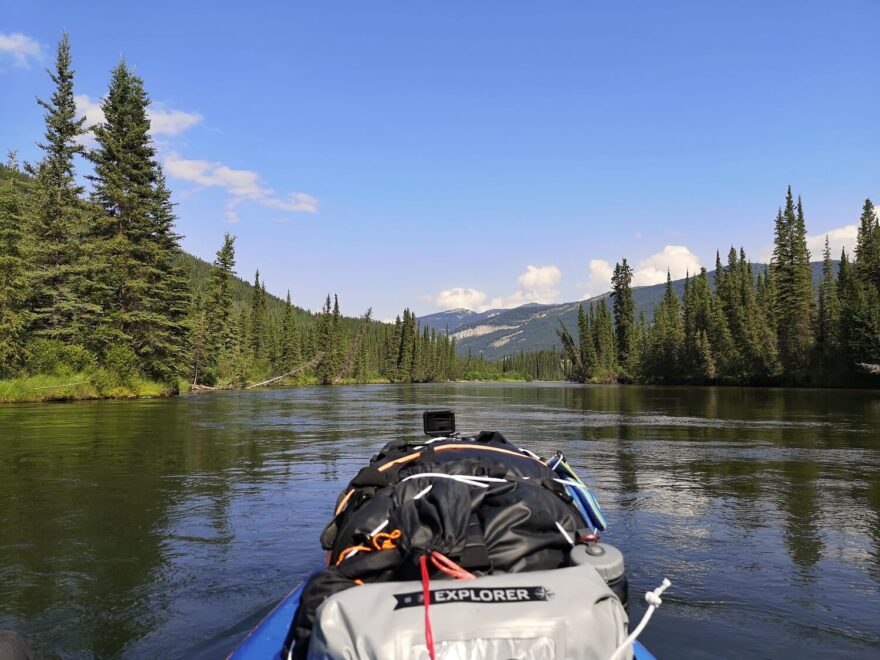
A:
[166, 528]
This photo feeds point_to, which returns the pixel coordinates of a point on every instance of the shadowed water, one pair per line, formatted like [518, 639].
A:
[168, 528]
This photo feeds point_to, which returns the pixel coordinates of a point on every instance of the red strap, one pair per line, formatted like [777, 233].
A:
[426, 595]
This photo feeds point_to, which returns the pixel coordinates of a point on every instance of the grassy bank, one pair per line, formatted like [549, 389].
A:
[80, 387]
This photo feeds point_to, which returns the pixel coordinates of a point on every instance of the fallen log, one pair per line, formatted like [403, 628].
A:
[293, 372]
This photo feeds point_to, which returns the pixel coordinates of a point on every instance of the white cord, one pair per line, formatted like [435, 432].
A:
[654, 601]
[383, 525]
[470, 481]
[565, 534]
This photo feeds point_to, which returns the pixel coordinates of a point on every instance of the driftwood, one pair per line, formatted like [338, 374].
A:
[195, 387]
[353, 349]
[307, 365]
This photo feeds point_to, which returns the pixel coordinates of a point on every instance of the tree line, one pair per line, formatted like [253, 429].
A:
[93, 281]
[775, 326]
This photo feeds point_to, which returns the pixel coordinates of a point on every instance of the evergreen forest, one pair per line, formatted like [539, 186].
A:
[97, 298]
[773, 327]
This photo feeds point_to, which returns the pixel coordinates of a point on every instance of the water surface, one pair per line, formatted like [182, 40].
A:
[168, 528]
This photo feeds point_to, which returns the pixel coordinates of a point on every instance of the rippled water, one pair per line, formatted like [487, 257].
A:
[168, 528]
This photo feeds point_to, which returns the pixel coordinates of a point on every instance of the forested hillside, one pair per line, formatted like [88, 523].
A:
[772, 327]
[95, 290]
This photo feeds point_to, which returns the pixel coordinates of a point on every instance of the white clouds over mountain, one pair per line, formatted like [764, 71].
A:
[537, 284]
[678, 260]
[459, 297]
[598, 278]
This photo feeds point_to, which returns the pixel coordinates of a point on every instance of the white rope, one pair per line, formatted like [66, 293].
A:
[654, 601]
[565, 534]
[470, 481]
[379, 529]
[423, 492]
[385, 524]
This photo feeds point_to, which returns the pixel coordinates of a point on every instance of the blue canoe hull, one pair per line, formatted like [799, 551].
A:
[265, 641]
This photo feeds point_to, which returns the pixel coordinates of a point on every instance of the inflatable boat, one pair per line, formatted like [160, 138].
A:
[458, 547]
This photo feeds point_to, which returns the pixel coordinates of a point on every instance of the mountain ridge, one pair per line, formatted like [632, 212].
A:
[530, 327]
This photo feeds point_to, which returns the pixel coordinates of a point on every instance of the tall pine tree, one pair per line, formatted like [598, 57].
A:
[13, 280]
[624, 314]
[61, 308]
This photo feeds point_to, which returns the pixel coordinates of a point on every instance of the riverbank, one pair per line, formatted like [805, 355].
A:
[82, 387]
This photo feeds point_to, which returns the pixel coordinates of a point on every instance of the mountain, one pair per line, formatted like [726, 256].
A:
[451, 320]
[499, 332]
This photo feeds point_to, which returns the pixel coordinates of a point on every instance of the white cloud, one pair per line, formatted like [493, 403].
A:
[537, 284]
[839, 239]
[459, 297]
[162, 122]
[171, 122]
[91, 110]
[539, 278]
[294, 202]
[599, 278]
[678, 260]
[21, 47]
[242, 185]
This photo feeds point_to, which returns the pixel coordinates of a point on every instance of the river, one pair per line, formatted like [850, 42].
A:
[168, 528]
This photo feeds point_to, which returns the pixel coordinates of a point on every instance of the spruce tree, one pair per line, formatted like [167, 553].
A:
[166, 317]
[828, 317]
[605, 344]
[586, 348]
[60, 308]
[868, 245]
[666, 338]
[793, 308]
[13, 280]
[337, 344]
[257, 324]
[326, 369]
[860, 295]
[219, 303]
[290, 345]
[202, 362]
[392, 351]
[405, 361]
[133, 233]
[624, 313]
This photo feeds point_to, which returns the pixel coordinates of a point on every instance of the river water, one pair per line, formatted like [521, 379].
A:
[168, 528]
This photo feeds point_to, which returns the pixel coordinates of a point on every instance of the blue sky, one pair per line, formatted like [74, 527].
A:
[459, 153]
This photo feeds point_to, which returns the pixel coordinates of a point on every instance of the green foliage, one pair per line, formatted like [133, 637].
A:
[54, 357]
[624, 316]
[59, 303]
[14, 315]
[794, 300]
